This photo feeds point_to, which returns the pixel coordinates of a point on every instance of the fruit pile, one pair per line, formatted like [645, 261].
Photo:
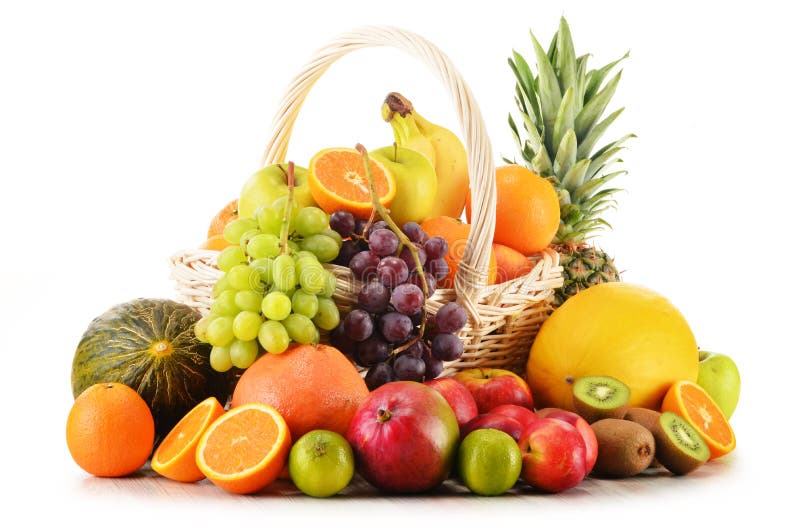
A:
[281, 380]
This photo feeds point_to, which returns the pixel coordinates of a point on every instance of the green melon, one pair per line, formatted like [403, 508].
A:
[149, 345]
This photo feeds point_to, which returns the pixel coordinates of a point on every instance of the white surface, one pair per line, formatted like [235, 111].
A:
[124, 128]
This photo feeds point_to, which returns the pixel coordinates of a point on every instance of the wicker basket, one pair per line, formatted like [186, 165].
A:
[504, 317]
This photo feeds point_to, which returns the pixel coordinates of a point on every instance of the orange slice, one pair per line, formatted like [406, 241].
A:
[693, 403]
[337, 180]
[174, 457]
[245, 449]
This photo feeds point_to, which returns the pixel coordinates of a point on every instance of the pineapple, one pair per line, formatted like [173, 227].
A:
[561, 110]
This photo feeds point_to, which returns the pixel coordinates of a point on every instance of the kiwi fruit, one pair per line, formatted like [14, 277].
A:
[624, 448]
[679, 447]
[600, 397]
[647, 418]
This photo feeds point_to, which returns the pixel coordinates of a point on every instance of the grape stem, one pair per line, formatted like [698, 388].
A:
[378, 207]
[287, 211]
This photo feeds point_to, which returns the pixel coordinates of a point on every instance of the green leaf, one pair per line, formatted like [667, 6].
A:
[586, 144]
[588, 189]
[565, 62]
[574, 178]
[565, 120]
[566, 154]
[549, 90]
[612, 145]
[541, 164]
[604, 160]
[589, 115]
[596, 77]
[580, 83]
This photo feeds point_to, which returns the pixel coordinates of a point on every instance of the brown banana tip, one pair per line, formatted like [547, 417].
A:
[398, 103]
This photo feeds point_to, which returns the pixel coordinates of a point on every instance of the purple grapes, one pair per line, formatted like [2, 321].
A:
[450, 318]
[383, 242]
[447, 347]
[407, 299]
[358, 325]
[374, 297]
[378, 375]
[364, 265]
[372, 351]
[392, 271]
[395, 327]
[408, 257]
[343, 223]
[438, 268]
[414, 232]
[408, 368]
[436, 247]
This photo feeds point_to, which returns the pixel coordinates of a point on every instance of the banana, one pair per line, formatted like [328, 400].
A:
[440, 145]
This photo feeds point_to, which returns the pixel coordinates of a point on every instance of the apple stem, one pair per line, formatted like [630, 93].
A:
[384, 415]
[404, 240]
[287, 211]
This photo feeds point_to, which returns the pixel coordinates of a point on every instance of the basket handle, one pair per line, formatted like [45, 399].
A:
[472, 274]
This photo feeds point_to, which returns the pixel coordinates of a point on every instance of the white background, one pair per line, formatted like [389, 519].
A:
[125, 126]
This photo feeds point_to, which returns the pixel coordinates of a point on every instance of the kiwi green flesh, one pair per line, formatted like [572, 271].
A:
[679, 447]
[624, 448]
[647, 418]
[600, 397]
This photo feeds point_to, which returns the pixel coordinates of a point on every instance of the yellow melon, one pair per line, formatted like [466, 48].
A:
[621, 330]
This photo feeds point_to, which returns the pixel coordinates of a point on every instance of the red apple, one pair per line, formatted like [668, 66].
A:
[586, 431]
[509, 425]
[404, 437]
[457, 396]
[543, 412]
[493, 387]
[520, 413]
[553, 455]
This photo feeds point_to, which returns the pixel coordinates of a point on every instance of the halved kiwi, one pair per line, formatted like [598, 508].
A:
[624, 448]
[647, 418]
[679, 447]
[600, 397]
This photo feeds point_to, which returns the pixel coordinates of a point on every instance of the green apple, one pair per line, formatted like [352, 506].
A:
[416, 183]
[269, 184]
[719, 376]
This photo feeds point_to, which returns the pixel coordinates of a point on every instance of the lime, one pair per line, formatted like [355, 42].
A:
[321, 463]
[489, 461]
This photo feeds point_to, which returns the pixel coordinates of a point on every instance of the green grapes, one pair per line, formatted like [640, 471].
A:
[305, 303]
[273, 337]
[276, 306]
[246, 325]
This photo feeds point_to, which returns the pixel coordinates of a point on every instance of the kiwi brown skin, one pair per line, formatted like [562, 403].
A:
[594, 412]
[624, 448]
[678, 456]
[647, 418]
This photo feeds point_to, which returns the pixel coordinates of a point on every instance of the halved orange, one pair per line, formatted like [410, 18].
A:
[690, 401]
[337, 180]
[175, 456]
[245, 449]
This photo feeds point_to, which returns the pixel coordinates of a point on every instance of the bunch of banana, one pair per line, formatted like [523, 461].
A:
[439, 145]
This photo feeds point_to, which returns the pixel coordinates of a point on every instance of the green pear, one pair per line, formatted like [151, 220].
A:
[719, 376]
[270, 183]
[416, 183]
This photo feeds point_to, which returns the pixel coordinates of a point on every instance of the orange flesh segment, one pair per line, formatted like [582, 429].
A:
[187, 430]
[706, 415]
[342, 173]
[241, 442]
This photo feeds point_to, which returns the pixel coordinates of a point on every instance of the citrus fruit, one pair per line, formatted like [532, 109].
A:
[511, 264]
[229, 212]
[245, 448]
[621, 330]
[313, 387]
[489, 462]
[175, 456]
[528, 211]
[338, 181]
[321, 463]
[110, 430]
[216, 243]
[691, 402]
[455, 232]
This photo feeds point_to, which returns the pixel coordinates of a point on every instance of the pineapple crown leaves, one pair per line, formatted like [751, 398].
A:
[561, 109]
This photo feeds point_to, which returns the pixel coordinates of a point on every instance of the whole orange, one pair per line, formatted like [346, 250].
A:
[528, 212]
[110, 430]
[227, 214]
[312, 387]
[455, 232]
